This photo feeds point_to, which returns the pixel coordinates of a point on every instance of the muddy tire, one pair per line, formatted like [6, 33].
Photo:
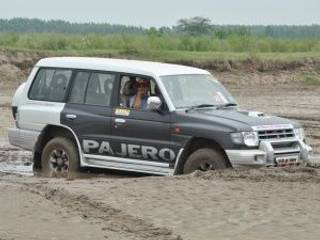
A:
[204, 159]
[60, 158]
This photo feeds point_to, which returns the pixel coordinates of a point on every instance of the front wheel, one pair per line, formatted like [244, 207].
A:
[205, 159]
[60, 158]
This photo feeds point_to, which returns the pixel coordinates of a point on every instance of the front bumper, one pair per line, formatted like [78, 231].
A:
[269, 151]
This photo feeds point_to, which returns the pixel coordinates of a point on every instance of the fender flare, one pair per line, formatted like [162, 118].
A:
[43, 132]
[184, 152]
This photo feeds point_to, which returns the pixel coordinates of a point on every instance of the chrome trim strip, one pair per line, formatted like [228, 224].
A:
[287, 150]
[127, 164]
[127, 160]
[177, 161]
[284, 140]
[272, 127]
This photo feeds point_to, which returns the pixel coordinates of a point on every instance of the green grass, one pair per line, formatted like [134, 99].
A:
[172, 56]
[311, 80]
[163, 48]
[133, 43]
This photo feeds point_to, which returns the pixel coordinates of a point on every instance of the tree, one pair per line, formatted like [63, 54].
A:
[194, 26]
[153, 32]
[269, 31]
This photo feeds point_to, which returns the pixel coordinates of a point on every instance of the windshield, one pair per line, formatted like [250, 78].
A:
[195, 90]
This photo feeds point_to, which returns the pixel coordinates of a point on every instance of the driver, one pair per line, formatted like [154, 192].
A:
[139, 100]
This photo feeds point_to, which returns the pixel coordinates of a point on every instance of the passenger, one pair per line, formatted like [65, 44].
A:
[139, 100]
[129, 90]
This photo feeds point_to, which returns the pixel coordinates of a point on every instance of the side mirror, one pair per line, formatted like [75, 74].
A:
[154, 103]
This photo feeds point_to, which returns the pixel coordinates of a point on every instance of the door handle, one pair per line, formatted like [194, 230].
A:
[71, 116]
[119, 121]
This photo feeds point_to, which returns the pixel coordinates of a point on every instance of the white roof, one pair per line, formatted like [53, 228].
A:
[119, 65]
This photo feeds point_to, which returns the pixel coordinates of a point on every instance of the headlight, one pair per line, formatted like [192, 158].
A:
[250, 139]
[299, 132]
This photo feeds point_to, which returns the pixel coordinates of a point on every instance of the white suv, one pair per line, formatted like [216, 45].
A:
[143, 116]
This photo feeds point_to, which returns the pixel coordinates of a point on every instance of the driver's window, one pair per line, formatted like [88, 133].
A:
[134, 92]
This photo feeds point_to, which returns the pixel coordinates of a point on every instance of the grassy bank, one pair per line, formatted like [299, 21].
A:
[216, 61]
[170, 55]
[154, 42]
[233, 52]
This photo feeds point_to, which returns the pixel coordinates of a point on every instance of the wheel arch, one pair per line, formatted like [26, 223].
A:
[50, 131]
[194, 144]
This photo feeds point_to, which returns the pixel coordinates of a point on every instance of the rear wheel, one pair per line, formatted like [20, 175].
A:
[205, 159]
[60, 158]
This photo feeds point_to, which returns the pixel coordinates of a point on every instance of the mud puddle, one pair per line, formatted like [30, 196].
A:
[16, 161]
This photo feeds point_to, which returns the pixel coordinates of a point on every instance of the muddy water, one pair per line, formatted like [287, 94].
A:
[14, 160]
[19, 162]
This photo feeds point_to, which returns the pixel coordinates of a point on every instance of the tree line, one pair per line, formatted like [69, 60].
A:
[25, 25]
[196, 26]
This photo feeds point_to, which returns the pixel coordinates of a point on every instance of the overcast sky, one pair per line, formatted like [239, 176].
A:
[166, 12]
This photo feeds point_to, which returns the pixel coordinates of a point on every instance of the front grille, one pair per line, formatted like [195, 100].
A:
[276, 134]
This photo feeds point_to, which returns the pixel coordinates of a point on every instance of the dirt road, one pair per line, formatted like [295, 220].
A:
[242, 204]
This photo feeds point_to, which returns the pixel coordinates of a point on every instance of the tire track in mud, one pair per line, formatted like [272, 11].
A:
[115, 220]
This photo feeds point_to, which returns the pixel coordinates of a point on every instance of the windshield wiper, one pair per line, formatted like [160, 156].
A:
[200, 106]
[210, 105]
[227, 105]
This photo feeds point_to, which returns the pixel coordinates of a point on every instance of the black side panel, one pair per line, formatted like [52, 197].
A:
[143, 129]
[88, 122]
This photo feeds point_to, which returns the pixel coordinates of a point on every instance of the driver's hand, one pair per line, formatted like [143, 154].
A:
[140, 92]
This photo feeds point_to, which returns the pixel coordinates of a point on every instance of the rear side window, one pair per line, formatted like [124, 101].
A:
[99, 89]
[92, 88]
[79, 87]
[50, 85]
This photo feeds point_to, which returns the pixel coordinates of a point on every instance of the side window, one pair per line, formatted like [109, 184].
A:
[79, 87]
[50, 85]
[99, 89]
[134, 92]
